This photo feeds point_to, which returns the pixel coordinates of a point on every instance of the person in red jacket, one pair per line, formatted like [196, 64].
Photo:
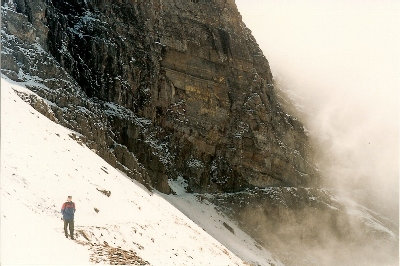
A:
[68, 211]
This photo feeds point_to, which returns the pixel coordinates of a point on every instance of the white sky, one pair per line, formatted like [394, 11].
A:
[324, 39]
[341, 62]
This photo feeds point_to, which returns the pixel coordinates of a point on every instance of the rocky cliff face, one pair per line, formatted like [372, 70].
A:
[179, 89]
[190, 69]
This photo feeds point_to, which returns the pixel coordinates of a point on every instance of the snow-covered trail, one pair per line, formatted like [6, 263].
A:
[41, 164]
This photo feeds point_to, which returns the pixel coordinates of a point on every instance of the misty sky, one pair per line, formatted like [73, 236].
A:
[340, 62]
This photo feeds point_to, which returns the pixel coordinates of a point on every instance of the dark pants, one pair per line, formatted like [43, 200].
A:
[69, 223]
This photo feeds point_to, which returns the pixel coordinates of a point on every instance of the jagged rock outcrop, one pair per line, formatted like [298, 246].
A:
[25, 59]
[190, 69]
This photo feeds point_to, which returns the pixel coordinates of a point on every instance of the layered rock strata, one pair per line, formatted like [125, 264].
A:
[196, 92]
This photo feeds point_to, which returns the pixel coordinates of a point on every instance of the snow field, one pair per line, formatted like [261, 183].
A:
[41, 165]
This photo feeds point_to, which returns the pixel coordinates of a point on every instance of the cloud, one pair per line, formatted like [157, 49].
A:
[340, 64]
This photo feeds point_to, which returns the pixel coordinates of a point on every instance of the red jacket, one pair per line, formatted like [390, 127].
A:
[68, 210]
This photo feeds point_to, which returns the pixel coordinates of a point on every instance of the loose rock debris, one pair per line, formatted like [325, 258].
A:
[104, 253]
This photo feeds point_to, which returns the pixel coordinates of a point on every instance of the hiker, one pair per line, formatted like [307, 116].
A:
[68, 210]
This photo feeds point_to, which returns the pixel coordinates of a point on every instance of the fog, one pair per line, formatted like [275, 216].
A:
[339, 63]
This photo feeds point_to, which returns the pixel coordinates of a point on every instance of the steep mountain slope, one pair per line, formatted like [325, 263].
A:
[177, 95]
[117, 220]
[190, 69]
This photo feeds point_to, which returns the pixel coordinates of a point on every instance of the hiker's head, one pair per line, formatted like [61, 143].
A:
[69, 198]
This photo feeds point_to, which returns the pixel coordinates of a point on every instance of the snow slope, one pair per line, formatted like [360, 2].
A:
[41, 164]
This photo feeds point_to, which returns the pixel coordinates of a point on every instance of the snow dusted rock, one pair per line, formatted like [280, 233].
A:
[305, 226]
[191, 72]
[62, 100]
